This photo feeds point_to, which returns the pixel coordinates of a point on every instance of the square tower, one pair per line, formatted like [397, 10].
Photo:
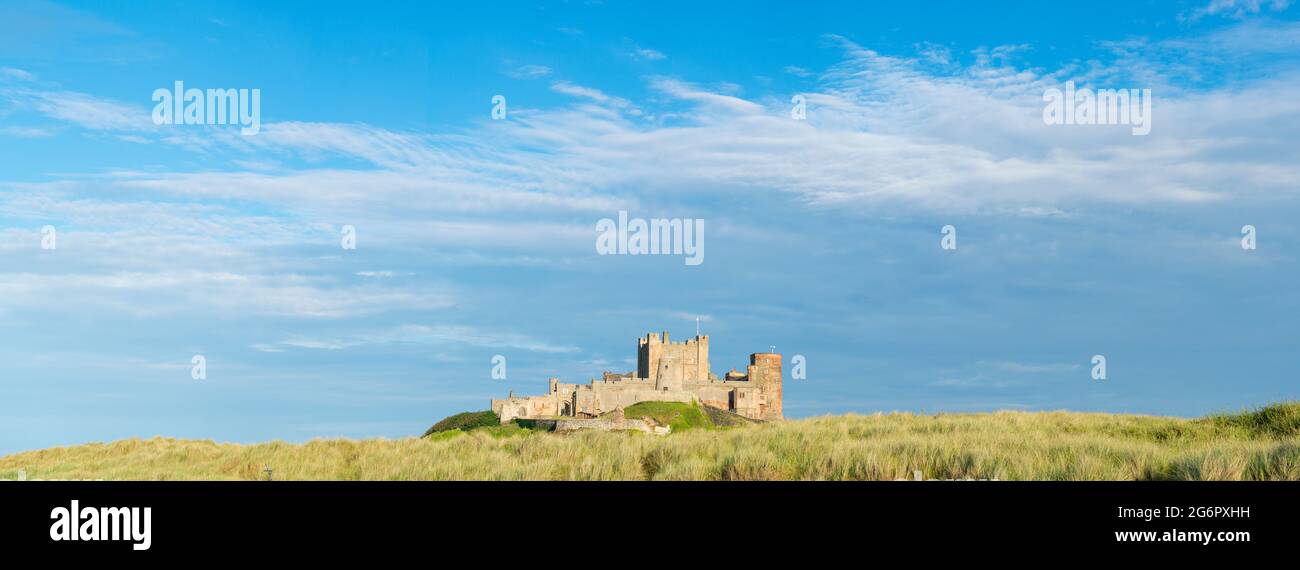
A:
[765, 374]
[671, 364]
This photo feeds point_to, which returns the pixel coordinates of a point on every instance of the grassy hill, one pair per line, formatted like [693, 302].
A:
[465, 421]
[1262, 444]
[681, 417]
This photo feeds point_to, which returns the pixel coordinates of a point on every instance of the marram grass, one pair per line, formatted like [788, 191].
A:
[1259, 445]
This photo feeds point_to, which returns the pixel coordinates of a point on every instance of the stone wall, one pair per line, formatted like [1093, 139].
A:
[666, 372]
[603, 424]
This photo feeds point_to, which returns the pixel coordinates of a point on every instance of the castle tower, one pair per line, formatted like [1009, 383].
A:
[648, 351]
[670, 365]
[765, 374]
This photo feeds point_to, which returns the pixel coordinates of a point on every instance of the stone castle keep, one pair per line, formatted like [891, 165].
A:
[666, 372]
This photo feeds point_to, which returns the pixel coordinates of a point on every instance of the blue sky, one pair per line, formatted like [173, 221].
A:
[476, 237]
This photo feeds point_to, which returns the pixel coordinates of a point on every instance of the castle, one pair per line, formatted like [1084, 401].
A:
[666, 371]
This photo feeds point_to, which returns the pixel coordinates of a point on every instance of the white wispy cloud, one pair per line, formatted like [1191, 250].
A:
[882, 132]
[595, 95]
[1032, 367]
[418, 334]
[634, 51]
[158, 293]
[29, 132]
[81, 109]
[15, 73]
[797, 71]
[709, 102]
[532, 71]
[648, 54]
[1236, 8]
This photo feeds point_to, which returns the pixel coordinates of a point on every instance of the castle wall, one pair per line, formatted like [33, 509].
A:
[526, 407]
[713, 396]
[613, 397]
[666, 372]
[603, 425]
